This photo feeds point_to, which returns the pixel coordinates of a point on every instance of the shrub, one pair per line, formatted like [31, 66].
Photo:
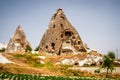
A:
[28, 48]
[37, 48]
[2, 50]
[111, 55]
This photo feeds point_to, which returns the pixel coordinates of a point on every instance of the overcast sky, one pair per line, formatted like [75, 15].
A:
[97, 21]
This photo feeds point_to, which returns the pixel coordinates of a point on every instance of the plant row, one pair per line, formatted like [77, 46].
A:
[8, 76]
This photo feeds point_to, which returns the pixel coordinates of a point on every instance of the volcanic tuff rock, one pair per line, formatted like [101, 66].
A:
[18, 41]
[61, 36]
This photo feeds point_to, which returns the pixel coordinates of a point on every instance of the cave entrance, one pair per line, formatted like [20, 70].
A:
[53, 45]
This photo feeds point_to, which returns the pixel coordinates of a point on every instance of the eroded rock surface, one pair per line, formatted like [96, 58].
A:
[18, 41]
[61, 36]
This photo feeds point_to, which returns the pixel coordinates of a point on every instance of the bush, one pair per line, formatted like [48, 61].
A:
[97, 71]
[111, 55]
[37, 48]
[28, 48]
[2, 50]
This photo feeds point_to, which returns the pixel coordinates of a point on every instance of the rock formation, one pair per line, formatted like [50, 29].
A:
[18, 41]
[61, 36]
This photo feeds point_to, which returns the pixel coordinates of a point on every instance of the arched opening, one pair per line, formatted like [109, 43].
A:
[79, 42]
[53, 45]
[46, 47]
[54, 26]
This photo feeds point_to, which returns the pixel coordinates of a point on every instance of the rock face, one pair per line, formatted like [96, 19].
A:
[61, 36]
[93, 58]
[18, 41]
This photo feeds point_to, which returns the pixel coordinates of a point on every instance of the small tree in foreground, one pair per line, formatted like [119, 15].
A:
[2, 50]
[108, 63]
[111, 55]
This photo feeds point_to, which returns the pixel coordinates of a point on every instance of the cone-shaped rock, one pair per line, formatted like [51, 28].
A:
[18, 41]
[61, 36]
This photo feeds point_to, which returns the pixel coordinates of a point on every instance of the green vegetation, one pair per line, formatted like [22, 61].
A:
[111, 55]
[19, 56]
[2, 50]
[8, 76]
[37, 48]
[108, 63]
[33, 60]
[30, 59]
[37, 65]
[28, 48]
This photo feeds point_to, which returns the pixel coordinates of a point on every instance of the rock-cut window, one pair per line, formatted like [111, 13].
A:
[67, 33]
[54, 26]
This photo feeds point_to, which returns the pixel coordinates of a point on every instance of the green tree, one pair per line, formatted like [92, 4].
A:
[108, 62]
[37, 48]
[111, 54]
[2, 50]
[28, 48]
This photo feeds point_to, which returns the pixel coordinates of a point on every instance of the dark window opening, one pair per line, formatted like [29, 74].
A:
[46, 47]
[73, 37]
[56, 38]
[53, 26]
[61, 35]
[61, 25]
[67, 33]
[78, 42]
[62, 17]
[53, 44]
[76, 63]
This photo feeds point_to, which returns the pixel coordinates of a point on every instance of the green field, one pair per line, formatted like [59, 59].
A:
[9, 76]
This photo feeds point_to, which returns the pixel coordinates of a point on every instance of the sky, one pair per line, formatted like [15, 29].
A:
[97, 21]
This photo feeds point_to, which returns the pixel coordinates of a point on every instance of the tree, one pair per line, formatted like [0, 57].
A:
[28, 48]
[108, 62]
[2, 50]
[37, 48]
[111, 54]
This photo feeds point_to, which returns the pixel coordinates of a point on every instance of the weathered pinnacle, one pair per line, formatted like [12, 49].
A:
[61, 36]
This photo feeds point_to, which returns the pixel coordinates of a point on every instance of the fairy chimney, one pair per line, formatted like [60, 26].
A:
[61, 36]
[18, 41]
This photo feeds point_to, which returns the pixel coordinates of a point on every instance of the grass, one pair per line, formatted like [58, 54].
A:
[36, 67]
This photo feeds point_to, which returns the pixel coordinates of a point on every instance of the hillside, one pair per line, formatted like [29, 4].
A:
[44, 64]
